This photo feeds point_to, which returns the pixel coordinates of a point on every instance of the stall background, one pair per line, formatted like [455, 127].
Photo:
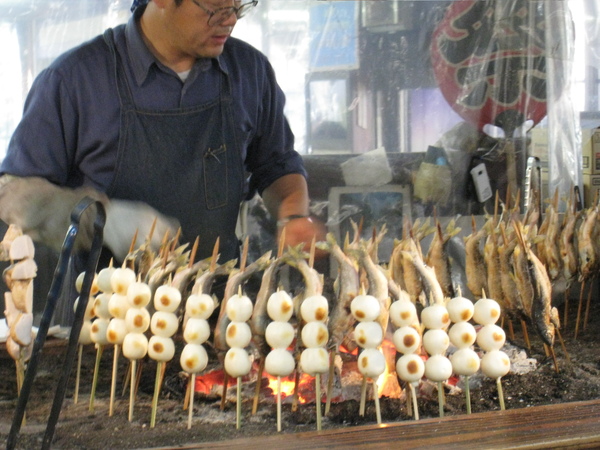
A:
[359, 79]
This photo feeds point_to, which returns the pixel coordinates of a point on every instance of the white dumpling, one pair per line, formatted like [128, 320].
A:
[410, 367]
[85, 337]
[118, 305]
[314, 308]
[465, 362]
[462, 334]
[495, 364]
[239, 308]
[138, 294]
[314, 334]
[167, 298]
[79, 283]
[237, 362]
[116, 331]
[238, 334]
[486, 311]
[438, 368]
[365, 308]
[200, 306]
[406, 339]
[314, 361]
[103, 280]
[491, 337]
[121, 278]
[371, 363]
[280, 306]
[101, 308]
[403, 313]
[193, 358]
[435, 317]
[436, 342]
[135, 346]
[368, 334]
[164, 324]
[197, 331]
[279, 363]
[161, 348]
[279, 334]
[98, 331]
[137, 320]
[460, 309]
[89, 308]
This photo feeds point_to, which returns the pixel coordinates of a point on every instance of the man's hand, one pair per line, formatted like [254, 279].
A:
[303, 230]
[125, 217]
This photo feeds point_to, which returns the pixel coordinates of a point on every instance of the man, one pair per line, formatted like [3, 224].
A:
[165, 117]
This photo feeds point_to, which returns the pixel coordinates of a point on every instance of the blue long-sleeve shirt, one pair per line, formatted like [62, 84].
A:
[69, 131]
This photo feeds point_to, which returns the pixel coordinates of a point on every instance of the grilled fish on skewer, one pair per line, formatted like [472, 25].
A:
[551, 240]
[587, 243]
[492, 262]
[234, 283]
[543, 315]
[475, 262]
[437, 256]
[431, 286]
[510, 293]
[341, 319]
[260, 319]
[567, 247]
[378, 284]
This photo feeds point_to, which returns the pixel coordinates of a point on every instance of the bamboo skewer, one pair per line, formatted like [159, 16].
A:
[261, 368]
[99, 350]
[363, 396]
[191, 390]
[318, 400]
[132, 389]
[113, 383]
[78, 374]
[441, 398]
[278, 404]
[500, 393]
[330, 381]
[468, 394]
[238, 404]
[160, 370]
[413, 395]
[579, 308]
[295, 397]
[566, 308]
[377, 406]
[588, 302]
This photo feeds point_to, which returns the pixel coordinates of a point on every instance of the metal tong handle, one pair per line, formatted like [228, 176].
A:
[53, 295]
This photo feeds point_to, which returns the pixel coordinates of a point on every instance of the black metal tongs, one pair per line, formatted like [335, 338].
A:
[53, 295]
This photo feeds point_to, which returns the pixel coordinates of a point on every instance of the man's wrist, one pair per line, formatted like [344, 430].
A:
[282, 222]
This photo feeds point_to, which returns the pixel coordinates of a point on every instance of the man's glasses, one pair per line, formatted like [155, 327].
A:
[220, 15]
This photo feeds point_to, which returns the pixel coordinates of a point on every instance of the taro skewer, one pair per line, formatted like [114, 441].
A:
[238, 336]
[260, 318]
[368, 334]
[314, 359]
[462, 334]
[164, 325]
[243, 260]
[199, 307]
[137, 322]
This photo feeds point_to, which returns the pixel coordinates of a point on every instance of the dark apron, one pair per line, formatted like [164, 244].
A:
[186, 163]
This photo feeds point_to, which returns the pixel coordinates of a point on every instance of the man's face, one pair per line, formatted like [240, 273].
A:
[190, 34]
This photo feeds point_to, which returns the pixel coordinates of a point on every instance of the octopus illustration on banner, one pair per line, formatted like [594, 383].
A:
[489, 59]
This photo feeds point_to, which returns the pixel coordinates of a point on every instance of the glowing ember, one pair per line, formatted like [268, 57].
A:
[305, 387]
